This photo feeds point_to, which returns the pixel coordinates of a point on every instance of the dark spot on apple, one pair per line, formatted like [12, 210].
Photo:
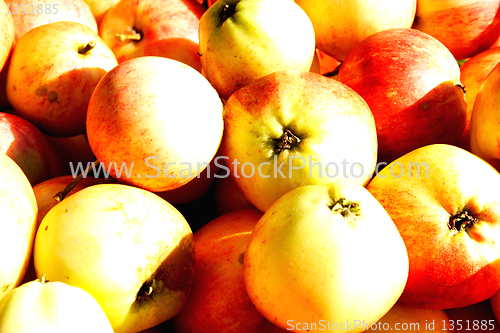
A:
[41, 91]
[4, 288]
[241, 258]
[52, 96]
[14, 88]
[46, 228]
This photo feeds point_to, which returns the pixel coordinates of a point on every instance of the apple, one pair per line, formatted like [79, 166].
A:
[53, 71]
[325, 255]
[293, 128]
[218, 301]
[157, 117]
[244, 40]
[166, 28]
[42, 306]
[99, 8]
[6, 32]
[412, 84]
[228, 196]
[327, 64]
[25, 144]
[444, 202]
[126, 246]
[484, 123]
[402, 317]
[465, 27]
[17, 230]
[340, 25]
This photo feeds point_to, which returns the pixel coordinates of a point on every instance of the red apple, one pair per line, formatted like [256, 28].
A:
[479, 317]
[228, 196]
[472, 74]
[444, 202]
[412, 84]
[167, 28]
[25, 144]
[218, 301]
[465, 27]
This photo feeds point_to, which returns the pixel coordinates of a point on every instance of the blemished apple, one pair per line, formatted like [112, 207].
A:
[402, 317]
[444, 202]
[53, 71]
[293, 128]
[130, 249]
[33, 13]
[325, 254]
[411, 82]
[244, 40]
[42, 306]
[340, 25]
[218, 301]
[17, 230]
[166, 28]
[157, 117]
[472, 75]
[465, 27]
[484, 123]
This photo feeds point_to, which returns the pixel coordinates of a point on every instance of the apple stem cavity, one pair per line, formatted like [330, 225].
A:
[287, 141]
[62, 194]
[461, 221]
[147, 288]
[345, 207]
[226, 12]
[85, 49]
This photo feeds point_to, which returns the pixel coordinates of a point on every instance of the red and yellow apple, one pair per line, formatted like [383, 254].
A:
[7, 33]
[99, 8]
[444, 202]
[166, 28]
[53, 71]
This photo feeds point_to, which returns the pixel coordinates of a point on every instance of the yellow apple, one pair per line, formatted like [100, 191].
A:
[126, 246]
[325, 254]
[19, 210]
[340, 25]
[7, 33]
[53, 70]
[56, 307]
[243, 40]
[99, 8]
[485, 120]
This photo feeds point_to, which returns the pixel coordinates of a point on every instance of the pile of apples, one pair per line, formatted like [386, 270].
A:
[249, 166]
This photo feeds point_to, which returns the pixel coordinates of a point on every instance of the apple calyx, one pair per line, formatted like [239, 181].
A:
[226, 12]
[85, 49]
[287, 141]
[147, 288]
[345, 207]
[461, 221]
[135, 35]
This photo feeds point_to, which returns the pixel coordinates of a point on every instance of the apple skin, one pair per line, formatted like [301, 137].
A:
[309, 255]
[7, 32]
[484, 123]
[465, 27]
[321, 112]
[407, 318]
[181, 103]
[50, 79]
[218, 301]
[166, 28]
[19, 210]
[340, 25]
[481, 313]
[412, 84]
[25, 144]
[127, 247]
[472, 75]
[99, 8]
[40, 306]
[229, 197]
[244, 40]
[452, 264]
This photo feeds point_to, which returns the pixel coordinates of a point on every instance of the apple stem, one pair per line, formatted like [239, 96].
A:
[461, 221]
[84, 49]
[345, 207]
[134, 36]
[62, 194]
